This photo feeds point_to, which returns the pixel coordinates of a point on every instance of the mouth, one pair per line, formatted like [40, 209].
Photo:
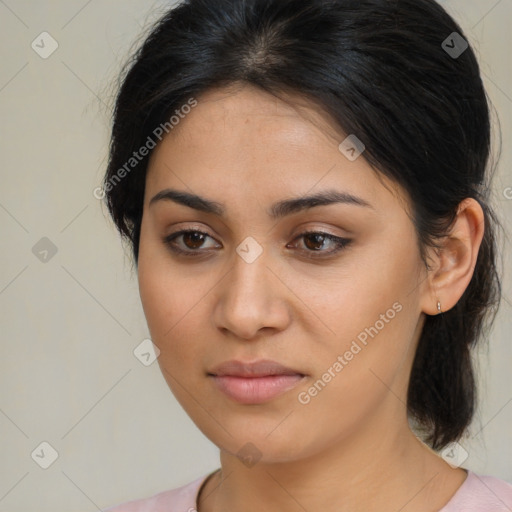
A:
[254, 383]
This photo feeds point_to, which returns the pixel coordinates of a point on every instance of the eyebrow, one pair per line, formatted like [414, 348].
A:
[276, 211]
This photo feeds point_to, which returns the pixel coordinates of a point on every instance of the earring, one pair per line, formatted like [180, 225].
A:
[439, 307]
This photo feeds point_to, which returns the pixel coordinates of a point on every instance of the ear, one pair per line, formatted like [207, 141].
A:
[454, 263]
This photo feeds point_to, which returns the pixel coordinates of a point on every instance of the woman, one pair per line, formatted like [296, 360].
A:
[303, 186]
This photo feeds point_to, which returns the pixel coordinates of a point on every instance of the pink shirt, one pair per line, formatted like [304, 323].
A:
[477, 494]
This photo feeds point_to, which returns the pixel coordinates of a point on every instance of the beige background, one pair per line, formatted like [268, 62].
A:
[69, 326]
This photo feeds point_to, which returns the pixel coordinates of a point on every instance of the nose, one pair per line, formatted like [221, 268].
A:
[252, 297]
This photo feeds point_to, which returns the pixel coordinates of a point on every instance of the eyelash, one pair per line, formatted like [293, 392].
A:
[341, 243]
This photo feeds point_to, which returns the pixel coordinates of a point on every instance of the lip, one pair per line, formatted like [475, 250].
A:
[254, 382]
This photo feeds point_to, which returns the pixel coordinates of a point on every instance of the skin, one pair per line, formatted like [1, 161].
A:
[350, 448]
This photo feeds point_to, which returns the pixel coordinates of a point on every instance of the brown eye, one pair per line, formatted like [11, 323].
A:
[193, 239]
[315, 241]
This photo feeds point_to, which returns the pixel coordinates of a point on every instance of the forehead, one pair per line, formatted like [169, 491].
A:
[244, 111]
[242, 140]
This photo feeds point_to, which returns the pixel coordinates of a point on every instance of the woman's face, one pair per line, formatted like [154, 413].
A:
[343, 318]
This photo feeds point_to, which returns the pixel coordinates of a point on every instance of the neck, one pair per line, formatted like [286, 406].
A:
[388, 472]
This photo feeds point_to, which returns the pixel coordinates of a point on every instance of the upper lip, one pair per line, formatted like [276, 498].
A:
[261, 368]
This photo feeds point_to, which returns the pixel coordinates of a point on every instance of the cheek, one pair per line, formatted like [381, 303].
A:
[161, 291]
[372, 313]
[370, 297]
[173, 307]
[168, 314]
[158, 300]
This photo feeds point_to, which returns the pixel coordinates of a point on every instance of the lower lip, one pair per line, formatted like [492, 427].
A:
[255, 390]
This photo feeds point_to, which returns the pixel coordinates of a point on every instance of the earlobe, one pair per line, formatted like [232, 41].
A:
[455, 260]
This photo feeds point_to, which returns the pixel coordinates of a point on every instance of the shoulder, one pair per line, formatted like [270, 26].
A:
[180, 499]
[481, 493]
